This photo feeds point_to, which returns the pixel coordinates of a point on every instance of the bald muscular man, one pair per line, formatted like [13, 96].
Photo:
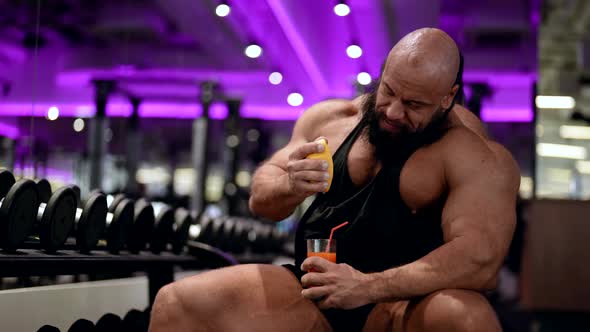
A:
[429, 198]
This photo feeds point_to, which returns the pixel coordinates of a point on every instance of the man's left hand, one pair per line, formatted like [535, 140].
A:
[334, 285]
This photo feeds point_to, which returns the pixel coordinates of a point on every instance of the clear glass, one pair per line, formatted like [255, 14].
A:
[319, 247]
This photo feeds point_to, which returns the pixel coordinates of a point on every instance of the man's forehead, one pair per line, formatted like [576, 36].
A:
[416, 82]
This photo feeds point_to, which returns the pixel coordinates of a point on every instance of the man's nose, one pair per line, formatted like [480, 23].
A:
[395, 111]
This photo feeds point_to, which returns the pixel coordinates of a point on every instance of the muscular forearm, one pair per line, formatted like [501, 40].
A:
[456, 264]
[271, 197]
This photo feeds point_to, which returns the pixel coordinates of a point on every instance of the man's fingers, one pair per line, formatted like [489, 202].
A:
[315, 293]
[316, 263]
[321, 138]
[307, 165]
[311, 187]
[316, 176]
[325, 303]
[312, 279]
[305, 150]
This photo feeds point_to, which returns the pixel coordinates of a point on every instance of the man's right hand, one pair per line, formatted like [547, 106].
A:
[307, 176]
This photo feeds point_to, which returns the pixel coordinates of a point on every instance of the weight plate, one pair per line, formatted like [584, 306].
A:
[92, 222]
[82, 325]
[78, 193]
[18, 213]
[108, 323]
[58, 219]
[44, 188]
[227, 239]
[182, 224]
[6, 181]
[116, 200]
[143, 225]
[120, 226]
[162, 230]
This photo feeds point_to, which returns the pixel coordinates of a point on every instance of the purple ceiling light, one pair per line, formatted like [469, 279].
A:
[299, 46]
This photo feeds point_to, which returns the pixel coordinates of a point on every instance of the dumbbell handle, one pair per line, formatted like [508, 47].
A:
[41, 210]
[79, 211]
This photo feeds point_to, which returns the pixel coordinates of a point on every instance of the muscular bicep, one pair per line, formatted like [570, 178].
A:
[480, 206]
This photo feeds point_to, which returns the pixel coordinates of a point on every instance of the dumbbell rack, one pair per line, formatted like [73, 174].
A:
[159, 268]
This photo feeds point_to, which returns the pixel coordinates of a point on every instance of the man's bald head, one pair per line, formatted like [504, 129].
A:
[415, 92]
[430, 52]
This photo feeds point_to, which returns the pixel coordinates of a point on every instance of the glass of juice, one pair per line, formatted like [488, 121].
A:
[319, 247]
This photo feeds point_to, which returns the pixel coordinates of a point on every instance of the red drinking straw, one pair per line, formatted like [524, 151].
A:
[332, 234]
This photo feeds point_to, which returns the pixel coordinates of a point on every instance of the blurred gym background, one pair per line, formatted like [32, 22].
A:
[178, 101]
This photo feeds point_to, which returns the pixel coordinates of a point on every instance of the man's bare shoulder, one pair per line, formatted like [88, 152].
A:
[470, 121]
[465, 153]
[332, 109]
[317, 119]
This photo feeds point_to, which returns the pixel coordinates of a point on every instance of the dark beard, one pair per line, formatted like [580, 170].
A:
[389, 147]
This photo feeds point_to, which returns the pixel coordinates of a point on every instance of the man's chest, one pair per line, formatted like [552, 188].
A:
[421, 182]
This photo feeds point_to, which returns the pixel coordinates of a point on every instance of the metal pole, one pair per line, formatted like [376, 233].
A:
[200, 148]
[97, 143]
[133, 147]
[232, 154]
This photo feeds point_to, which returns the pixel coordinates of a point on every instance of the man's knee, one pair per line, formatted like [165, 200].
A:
[453, 310]
[167, 311]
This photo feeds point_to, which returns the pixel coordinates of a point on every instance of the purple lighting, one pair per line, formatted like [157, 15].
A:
[299, 45]
[154, 110]
[9, 130]
[489, 114]
[492, 113]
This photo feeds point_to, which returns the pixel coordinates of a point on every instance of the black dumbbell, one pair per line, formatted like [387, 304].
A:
[139, 232]
[56, 215]
[17, 210]
[168, 226]
[180, 230]
[90, 223]
[97, 227]
[93, 222]
[82, 325]
[163, 227]
[53, 220]
[231, 234]
[119, 223]
[203, 230]
[142, 228]
[135, 321]
[108, 323]
[78, 193]
[90, 218]
[48, 328]
[239, 242]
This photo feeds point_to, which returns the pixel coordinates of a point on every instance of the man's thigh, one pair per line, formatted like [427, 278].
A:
[445, 310]
[250, 297]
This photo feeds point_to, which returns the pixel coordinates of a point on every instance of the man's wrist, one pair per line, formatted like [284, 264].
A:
[373, 286]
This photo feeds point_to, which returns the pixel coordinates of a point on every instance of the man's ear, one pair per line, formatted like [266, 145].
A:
[448, 99]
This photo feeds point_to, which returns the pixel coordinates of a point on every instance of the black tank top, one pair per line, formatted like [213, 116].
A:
[382, 232]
